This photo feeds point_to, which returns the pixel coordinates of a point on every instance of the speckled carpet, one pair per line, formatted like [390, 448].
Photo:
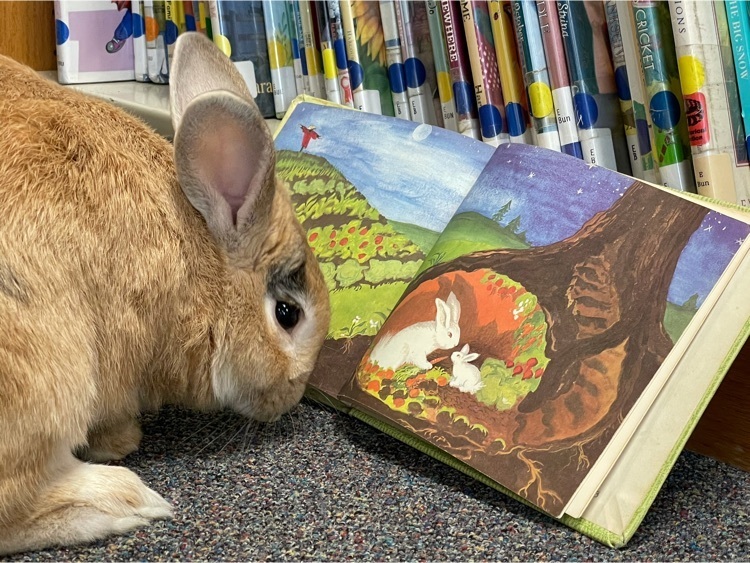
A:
[320, 485]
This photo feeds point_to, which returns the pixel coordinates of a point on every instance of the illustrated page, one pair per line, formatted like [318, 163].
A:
[544, 310]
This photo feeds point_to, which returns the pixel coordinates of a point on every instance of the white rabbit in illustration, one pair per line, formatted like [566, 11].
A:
[414, 343]
[466, 376]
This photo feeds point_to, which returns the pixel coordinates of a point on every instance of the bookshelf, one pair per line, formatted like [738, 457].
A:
[723, 431]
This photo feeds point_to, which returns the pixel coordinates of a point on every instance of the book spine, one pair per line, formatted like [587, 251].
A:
[239, 31]
[562, 95]
[442, 66]
[637, 88]
[175, 24]
[188, 8]
[739, 150]
[467, 119]
[339, 49]
[394, 59]
[312, 53]
[140, 56]
[598, 114]
[658, 64]
[156, 48]
[328, 54]
[702, 82]
[301, 73]
[484, 69]
[535, 75]
[279, 23]
[365, 49]
[300, 66]
[623, 88]
[203, 18]
[511, 79]
[739, 25]
[418, 87]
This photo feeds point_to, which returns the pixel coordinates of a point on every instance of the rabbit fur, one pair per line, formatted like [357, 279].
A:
[414, 343]
[466, 377]
[135, 274]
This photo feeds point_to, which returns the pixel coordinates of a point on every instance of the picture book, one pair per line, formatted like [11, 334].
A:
[93, 41]
[551, 327]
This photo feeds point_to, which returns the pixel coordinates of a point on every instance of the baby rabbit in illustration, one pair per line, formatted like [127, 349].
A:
[466, 376]
[135, 274]
[414, 343]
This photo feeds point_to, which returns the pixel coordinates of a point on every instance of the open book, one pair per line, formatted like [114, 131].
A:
[550, 327]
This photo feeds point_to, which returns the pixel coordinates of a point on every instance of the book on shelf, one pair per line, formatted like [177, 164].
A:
[238, 28]
[551, 327]
[93, 41]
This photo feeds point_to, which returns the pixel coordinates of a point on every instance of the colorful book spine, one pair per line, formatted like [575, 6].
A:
[313, 60]
[418, 88]
[239, 31]
[339, 49]
[738, 16]
[598, 116]
[328, 55]
[467, 119]
[175, 15]
[511, 76]
[140, 56]
[202, 18]
[637, 89]
[562, 95]
[278, 18]
[156, 45]
[535, 75]
[484, 69]
[442, 66]
[365, 51]
[658, 65]
[94, 41]
[703, 92]
[301, 75]
[740, 154]
[394, 58]
[623, 88]
[188, 8]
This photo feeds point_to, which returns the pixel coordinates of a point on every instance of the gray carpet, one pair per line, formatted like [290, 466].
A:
[320, 485]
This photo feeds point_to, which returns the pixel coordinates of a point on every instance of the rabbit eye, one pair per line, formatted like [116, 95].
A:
[287, 315]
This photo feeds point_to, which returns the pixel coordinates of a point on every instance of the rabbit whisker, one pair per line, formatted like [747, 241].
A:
[221, 434]
[240, 427]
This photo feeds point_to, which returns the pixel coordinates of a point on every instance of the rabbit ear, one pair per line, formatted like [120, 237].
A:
[224, 152]
[443, 313]
[455, 307]
[465, 349]
[471, 357]
[198, 66]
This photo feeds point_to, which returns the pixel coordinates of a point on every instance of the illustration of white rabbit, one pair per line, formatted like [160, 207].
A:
[466, 376]
[414, 343]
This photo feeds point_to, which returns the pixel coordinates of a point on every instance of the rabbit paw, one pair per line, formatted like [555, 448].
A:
[87, 503]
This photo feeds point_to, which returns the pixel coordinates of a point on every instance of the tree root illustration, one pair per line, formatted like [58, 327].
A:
[535, 471]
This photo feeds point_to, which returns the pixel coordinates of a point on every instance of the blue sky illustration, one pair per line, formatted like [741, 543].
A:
[421, 175]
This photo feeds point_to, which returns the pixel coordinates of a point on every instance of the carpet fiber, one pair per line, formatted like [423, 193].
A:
[323, 486]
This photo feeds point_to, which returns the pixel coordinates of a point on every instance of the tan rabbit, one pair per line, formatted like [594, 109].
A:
[134, 274]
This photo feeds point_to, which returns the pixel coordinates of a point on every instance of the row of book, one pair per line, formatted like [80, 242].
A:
[656, 89]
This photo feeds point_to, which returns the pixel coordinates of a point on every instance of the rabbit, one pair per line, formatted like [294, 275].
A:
[466, 377]
[414, 343]
[134, 274]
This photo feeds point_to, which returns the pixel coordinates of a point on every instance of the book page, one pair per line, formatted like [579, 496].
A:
[373, 194]
[543, 314]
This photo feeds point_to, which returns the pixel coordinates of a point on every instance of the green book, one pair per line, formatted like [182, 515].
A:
[553, 328]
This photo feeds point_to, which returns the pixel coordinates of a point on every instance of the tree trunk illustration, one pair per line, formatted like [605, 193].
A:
[604, 294]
